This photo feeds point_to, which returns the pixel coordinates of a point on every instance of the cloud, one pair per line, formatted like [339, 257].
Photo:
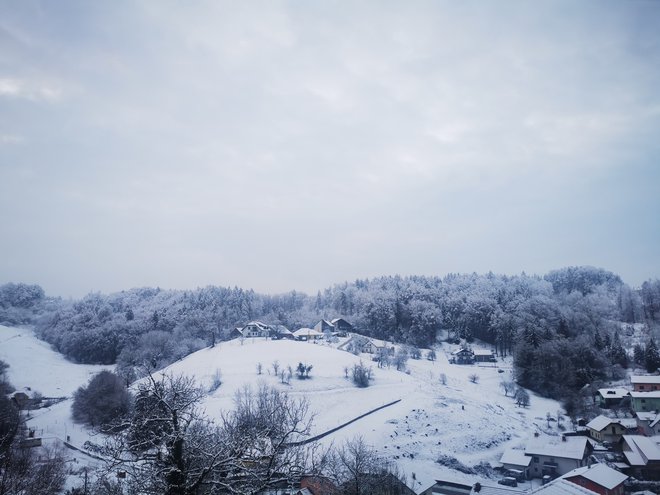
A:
[29, 90]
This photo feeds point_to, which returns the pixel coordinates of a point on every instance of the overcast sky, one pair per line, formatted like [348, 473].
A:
[294, 145]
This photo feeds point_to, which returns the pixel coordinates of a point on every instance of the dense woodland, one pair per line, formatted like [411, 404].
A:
[565, 329]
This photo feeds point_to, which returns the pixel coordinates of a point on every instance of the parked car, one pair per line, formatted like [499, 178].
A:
[508, 481]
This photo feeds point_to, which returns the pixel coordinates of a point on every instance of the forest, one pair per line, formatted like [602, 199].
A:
[564, 329]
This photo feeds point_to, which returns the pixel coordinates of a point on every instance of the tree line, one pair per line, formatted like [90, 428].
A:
[564, 329]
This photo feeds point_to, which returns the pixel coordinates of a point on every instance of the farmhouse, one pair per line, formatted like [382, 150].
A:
[307, 334]
[342, 327]
[604, 429]
[557, 457]
[252, 329]
[279, 332]
[645, 401]
[561, 486]
[609, 397]
[324, 326]
[516, 462]
[645, 383]
[642, 455]
[484, 356]
[462, 356]
[648, 423]
[373, 346]
[598, 478]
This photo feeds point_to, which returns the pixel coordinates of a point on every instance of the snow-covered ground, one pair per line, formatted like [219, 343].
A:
[473, 422]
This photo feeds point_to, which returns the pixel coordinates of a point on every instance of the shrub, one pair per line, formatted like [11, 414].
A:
[102, 401]
[361, 375]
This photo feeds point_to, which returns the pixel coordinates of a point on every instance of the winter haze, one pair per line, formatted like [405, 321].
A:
[292, 145]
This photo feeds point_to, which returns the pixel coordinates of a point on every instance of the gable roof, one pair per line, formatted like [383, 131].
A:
[644, 379]
[651, 416]
[601, 474]
[613, 393]
[482, 352]
[599, 423]
[646, 395]
[515, 458]
[307, 332]
[642, 449]
[562, 487]
[569, 448]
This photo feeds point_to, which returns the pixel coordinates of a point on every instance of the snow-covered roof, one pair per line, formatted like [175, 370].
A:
[643, 449]
[569, 448]
[646, 395]
[482, 352]
[515, 458]
[600, 474]
[651, 416]
[613, 393]
[601, 422]
[338, 319]
[462, 349]
[495, 490]
[306, 332]
[645, 379]
[562, 487]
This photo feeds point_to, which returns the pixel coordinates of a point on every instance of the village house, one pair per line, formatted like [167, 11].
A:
[324, 326]
[648, 423]
[307, 334]
[342, 327]
[373, 346]
[599, 478]
[279, 332]
[611, 397]
[645, 383]
[516, 464]
[443, 487]
[642, 455]
[561, 486]
[463, 355]
[252, 329]
[604, 429]
[645, 401]
[556, 456]
[483, 356]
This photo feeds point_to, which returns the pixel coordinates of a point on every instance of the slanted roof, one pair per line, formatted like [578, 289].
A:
[334, 322]
[613, 393]
[642, 449]
[462, 349]
[515, 458]
[482, 352]
[601, 474]
[645, 379]
[307, 332]
[646, 395]
[652, 417]
[570, 448]
[562, 487]
[487, 489]
[281, 329]
[599, 423]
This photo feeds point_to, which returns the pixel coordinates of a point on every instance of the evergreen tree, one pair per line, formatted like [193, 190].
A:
[617, 353]
[598, 341]
[652, 357]
[639, 354]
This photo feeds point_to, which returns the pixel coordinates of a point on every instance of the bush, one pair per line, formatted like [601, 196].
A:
[361, 375]
[104, 400]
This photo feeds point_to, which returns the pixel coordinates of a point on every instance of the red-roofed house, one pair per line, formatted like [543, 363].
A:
[598, 478]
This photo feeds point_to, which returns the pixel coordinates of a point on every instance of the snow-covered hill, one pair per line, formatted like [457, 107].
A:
[472, 422]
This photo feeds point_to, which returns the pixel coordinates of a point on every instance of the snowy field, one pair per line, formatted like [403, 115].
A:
[472, 422]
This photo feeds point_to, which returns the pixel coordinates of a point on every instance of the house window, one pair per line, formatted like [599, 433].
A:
[535, 459]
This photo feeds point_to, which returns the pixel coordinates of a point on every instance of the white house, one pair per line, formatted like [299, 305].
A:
[307, 334]
[555, 456]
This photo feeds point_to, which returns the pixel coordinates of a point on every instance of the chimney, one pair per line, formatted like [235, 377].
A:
[563, 438]
[536, 434]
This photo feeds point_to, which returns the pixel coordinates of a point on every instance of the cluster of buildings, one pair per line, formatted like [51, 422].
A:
[338, 327]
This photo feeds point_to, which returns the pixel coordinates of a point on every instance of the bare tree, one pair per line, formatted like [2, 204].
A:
[508, 386]
[357, 469]
[170, 447]
[474, 378]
